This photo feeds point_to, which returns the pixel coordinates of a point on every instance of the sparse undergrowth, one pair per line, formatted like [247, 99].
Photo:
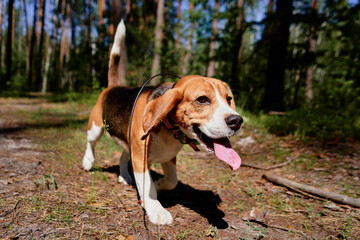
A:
[44, 192]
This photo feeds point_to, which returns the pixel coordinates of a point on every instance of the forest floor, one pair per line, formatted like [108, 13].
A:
[45, 193]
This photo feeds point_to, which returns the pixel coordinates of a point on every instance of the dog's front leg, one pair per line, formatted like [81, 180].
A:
[147, 191]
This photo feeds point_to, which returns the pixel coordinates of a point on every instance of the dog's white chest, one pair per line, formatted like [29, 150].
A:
[163, 147]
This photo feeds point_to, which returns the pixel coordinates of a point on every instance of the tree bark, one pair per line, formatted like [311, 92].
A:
[101, 8]
[274, 86]
[3, 41]
[211, 66]
[27, 37]
[62, 44]
[32, 47]
[48, 54]
[65, 46]
[90, 23]
[13, 26]
[9, 43]
[20, 35]
[38, 73]
[1, 32]
[309, 94]
[159, 35]
[235, 62]
[178, 25]
[186, 63]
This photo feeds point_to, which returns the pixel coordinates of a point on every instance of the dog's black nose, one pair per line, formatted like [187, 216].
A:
[234, 122]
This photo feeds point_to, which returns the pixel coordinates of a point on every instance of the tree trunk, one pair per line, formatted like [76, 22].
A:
[20, 35]
[49, 51]
[83, 23]
[274, 86]
[159, 35]
[1, 32]
[101, 8]
[185, 65]
[309, 94]
[13, 26]
[90, 23]
[38, 73]
[9, 42]
[47, 66]
[72, 46]
[65, 46]
[3, 41]
[235, 62]
[27, 38]
[178, 25]
[211, 67]
[32, 47]
[62, 40]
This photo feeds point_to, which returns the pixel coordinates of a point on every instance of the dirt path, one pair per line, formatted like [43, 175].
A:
[45, 194]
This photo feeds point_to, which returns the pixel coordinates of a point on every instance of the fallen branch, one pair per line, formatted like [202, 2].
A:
[314, 191]
[268, 167]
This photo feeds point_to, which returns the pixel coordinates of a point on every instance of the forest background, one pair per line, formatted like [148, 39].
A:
[297, 60]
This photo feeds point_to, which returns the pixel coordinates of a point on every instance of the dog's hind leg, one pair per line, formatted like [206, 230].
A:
[169, 181]
[124, 176]
[93, 135]
[94, 132]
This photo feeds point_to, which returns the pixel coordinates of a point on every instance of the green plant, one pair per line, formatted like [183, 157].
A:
[52, 180]
[307, 226]
[253, 229]
[184, 234]
[347, 231]
[212, 231]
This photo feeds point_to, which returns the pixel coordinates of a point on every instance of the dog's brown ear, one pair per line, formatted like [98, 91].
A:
[157, 109]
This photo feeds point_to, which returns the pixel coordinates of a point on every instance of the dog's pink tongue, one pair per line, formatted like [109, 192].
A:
[224, 151]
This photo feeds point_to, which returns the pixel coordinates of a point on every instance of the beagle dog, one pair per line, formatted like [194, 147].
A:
[196, 109]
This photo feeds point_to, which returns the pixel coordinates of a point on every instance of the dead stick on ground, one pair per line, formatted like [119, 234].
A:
[314, 191]
[269, 167]
[82, 231]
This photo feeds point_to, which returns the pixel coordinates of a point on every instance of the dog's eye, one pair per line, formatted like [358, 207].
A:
[228, 99]
[203, 100]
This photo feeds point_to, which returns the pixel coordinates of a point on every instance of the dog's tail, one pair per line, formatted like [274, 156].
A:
[114, 61]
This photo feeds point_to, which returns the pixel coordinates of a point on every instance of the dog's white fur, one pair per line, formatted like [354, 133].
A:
[217, 127]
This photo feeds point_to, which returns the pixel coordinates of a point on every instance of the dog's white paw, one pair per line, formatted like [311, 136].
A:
[126, 179]
[160, 216]
[88, 162]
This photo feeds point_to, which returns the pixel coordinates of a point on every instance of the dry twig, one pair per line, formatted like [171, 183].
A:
[313, 191]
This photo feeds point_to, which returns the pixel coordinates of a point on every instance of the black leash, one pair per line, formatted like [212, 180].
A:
[131, 117]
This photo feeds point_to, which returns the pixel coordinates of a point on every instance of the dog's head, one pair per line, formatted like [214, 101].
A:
[204, 108]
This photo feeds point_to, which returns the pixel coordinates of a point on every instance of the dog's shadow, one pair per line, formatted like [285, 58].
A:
[204, 203]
